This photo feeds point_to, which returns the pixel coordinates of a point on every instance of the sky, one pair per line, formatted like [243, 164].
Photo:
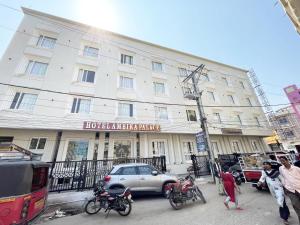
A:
[248, 34]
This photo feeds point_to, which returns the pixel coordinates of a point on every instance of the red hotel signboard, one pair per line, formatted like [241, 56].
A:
[89, 125]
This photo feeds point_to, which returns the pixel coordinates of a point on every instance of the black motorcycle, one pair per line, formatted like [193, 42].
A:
[120, 202]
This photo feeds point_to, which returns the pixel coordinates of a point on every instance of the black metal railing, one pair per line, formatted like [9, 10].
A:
[81, 175]
[201, 166]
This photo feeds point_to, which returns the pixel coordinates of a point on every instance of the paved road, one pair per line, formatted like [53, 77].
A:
[259, 209]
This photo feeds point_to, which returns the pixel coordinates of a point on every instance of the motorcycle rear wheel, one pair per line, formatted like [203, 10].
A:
[200, 195]
[92, 207]
[175, 204]
[127, 204]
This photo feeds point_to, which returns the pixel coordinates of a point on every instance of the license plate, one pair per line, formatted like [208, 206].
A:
[39, 204]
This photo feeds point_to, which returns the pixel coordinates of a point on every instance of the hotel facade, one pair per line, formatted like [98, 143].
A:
[71, 92]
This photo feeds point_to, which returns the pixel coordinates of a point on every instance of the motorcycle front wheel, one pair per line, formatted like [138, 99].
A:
[92, 207]
[175, 202]
[126, 204]
[200, 195]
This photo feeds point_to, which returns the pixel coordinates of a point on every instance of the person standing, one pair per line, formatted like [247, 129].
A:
[272, 178]
[291, 183]
[230, 189]
[217, 171]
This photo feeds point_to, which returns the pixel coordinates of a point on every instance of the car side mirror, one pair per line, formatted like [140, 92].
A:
[154, 173]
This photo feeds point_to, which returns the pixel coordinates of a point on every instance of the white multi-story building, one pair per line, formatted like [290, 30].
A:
[93, 94]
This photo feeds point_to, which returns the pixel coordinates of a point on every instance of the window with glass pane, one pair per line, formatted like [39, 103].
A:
[86, 76]
[211, 96]
[23, 101]
[188, 149]
[122, 149]
[37, 143]
[249, 101]
[126, 59]
[46, 42]
[128, 171]
[254, 146]
[77, 150]
[182, 72]
[125, 110]
[145, 170]
[36, 68]
[231, 99]
[242, 84]
[161, 113]
[217, 117]
[236, 146]
[81, 106]
[225, 81]
[283, 120]
[191, 115]
[157, 66]
[158, 148]
[289, 134]
[126, 82]
[159, 88]
[90, 51]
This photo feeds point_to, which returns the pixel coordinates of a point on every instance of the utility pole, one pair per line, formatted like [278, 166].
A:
[196, 95]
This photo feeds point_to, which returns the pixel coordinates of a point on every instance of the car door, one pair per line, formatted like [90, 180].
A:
[149, 182]
[128, 176]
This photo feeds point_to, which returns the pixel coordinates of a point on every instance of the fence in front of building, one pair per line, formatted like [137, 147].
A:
[81, 175]
[200, 165]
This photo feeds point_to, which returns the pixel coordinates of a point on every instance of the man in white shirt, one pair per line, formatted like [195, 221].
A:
[291, 182]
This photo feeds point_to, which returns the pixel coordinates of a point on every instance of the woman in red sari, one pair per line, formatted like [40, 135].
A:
[230, 186]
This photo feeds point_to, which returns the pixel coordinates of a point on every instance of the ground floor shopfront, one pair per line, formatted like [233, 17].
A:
[78, 145]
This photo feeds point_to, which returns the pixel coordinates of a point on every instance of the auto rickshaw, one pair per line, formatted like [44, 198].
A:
[23, 190]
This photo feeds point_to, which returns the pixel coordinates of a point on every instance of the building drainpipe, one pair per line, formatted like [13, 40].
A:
[54, 156]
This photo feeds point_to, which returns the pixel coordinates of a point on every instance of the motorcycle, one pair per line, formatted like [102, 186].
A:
[121, 203]
[182, 191]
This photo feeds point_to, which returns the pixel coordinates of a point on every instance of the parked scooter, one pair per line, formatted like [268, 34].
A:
[103, 200]
[182, 191]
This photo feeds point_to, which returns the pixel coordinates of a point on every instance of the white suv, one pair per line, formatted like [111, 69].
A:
[139, 177]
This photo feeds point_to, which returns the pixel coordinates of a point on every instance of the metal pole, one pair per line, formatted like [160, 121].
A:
[203, 122]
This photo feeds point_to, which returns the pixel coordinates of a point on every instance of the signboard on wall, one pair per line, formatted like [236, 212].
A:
[89, 125]
[231, 131]
[200, 142]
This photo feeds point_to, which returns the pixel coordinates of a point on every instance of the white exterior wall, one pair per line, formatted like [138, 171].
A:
[52, 110]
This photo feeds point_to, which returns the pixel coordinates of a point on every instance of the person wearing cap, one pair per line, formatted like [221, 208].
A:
[291, 182]
[272, 177]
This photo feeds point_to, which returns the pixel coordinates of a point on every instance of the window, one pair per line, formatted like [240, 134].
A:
[125, 110]
[211, 96]
[126, 82]
[157, 66]
[77, 150]
[242, 84]
[159, 88]
[225, 81]
[283, 120]
[187, 90]
[158, 148]
[289, 134]
[122, 149]
[239, 119]
[236, 146]
[36, 68]
[126, 59]
[257, 121]
[215, 147]
[128, 171]
[81, 106]
[37, 143]
[46, 42]
[249, 101]
[161, 113]
[188, 149]
[254, 146]
[191, 115]
[205, 77]
[145, 170]
[231, 99]
[217, 117]
[86, 76]
[90, 51]
[182, 72]
[23, 101]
